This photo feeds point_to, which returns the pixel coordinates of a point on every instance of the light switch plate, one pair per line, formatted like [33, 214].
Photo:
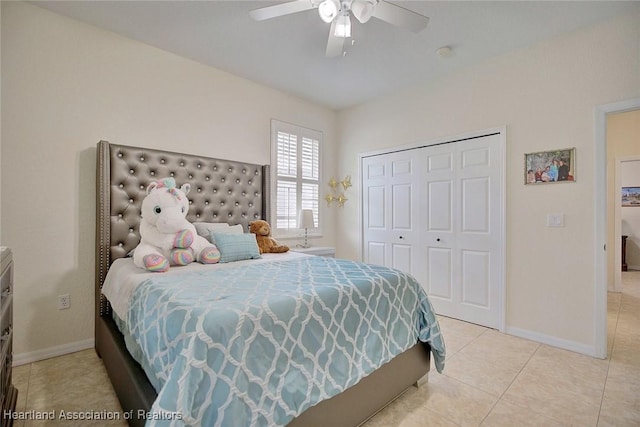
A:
[555, 220]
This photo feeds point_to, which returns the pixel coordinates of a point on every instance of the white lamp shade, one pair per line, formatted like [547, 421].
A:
[362, 9]
[343, 25]
[305, 219]
[328, 10]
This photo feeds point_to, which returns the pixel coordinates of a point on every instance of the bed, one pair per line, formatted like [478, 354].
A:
[222, 191]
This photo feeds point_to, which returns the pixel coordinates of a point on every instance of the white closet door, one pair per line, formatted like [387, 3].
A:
[390, 210]
[463, 229]
[439, 242]
[436, 213]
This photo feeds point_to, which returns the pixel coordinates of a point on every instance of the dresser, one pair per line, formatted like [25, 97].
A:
[8, 393]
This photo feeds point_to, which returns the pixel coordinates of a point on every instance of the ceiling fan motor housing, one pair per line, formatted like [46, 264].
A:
[361, 9]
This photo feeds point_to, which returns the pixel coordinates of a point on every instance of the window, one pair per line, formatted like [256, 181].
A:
[295, 160]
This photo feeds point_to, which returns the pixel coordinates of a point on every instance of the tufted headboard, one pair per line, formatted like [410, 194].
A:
[221, 191]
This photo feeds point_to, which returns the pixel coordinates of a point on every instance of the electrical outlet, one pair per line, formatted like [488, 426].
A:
[64, 301]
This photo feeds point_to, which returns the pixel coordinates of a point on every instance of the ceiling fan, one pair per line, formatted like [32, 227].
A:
[338, 13]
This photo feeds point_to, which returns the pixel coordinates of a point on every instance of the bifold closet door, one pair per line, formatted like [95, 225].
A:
[390, 210]
[462, 233]
[436, 213]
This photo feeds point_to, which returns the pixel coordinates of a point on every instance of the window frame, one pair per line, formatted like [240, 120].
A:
[301, 132]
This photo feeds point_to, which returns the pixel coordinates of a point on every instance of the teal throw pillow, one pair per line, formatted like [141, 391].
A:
[236, 247]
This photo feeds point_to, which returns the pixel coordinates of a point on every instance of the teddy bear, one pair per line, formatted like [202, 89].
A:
[266, 243]
[166, 237]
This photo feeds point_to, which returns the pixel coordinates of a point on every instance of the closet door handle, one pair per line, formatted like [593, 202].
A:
[438, 239]
[401, 237]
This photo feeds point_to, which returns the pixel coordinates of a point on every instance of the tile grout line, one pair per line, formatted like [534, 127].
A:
[474, 339]
[609, 356]
[26, 395]
[510, 384]
[462, 382]
[633, 281]
[499, 398]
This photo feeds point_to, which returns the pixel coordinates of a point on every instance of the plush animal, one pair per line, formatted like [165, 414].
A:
[266, 243]
[166, 237]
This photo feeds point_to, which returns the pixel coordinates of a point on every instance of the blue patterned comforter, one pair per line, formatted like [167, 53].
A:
[259, 344]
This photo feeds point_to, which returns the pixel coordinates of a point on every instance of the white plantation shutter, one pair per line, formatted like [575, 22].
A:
[310, 158]
[286, 205]
[287, 150]
[296, 181]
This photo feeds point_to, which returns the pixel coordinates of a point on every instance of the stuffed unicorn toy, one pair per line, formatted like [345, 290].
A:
[166, 237]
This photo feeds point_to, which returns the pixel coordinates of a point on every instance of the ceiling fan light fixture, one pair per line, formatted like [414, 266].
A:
[343, 25]
[328, 10]
[363, 9]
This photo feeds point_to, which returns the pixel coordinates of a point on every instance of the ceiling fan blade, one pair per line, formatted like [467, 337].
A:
[281, 9]
[335, 43]
[400, 16]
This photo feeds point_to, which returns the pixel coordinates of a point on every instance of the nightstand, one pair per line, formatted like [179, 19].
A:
[317, 250]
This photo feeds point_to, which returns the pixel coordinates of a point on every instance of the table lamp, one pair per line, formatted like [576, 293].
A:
[305, 220]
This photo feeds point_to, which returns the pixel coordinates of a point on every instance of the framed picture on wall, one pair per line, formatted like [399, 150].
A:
[631, 196]
[553, 166]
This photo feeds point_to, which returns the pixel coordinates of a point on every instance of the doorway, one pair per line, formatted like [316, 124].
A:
[623, 153]
[601, 225]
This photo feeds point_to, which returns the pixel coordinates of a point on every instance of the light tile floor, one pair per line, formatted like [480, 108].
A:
[490, 379]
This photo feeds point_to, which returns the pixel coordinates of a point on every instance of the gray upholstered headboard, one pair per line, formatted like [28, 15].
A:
[221, 191]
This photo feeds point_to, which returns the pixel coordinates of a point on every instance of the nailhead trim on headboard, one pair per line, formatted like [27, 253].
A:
[221, 191]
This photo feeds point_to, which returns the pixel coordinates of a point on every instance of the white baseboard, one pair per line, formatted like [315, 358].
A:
[553, 341]
[633, 267]
[47, 353]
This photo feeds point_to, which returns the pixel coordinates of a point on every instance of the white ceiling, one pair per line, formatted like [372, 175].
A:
[288, 53]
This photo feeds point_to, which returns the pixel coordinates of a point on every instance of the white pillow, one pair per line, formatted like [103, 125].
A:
[234, 229]
[204, 229]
